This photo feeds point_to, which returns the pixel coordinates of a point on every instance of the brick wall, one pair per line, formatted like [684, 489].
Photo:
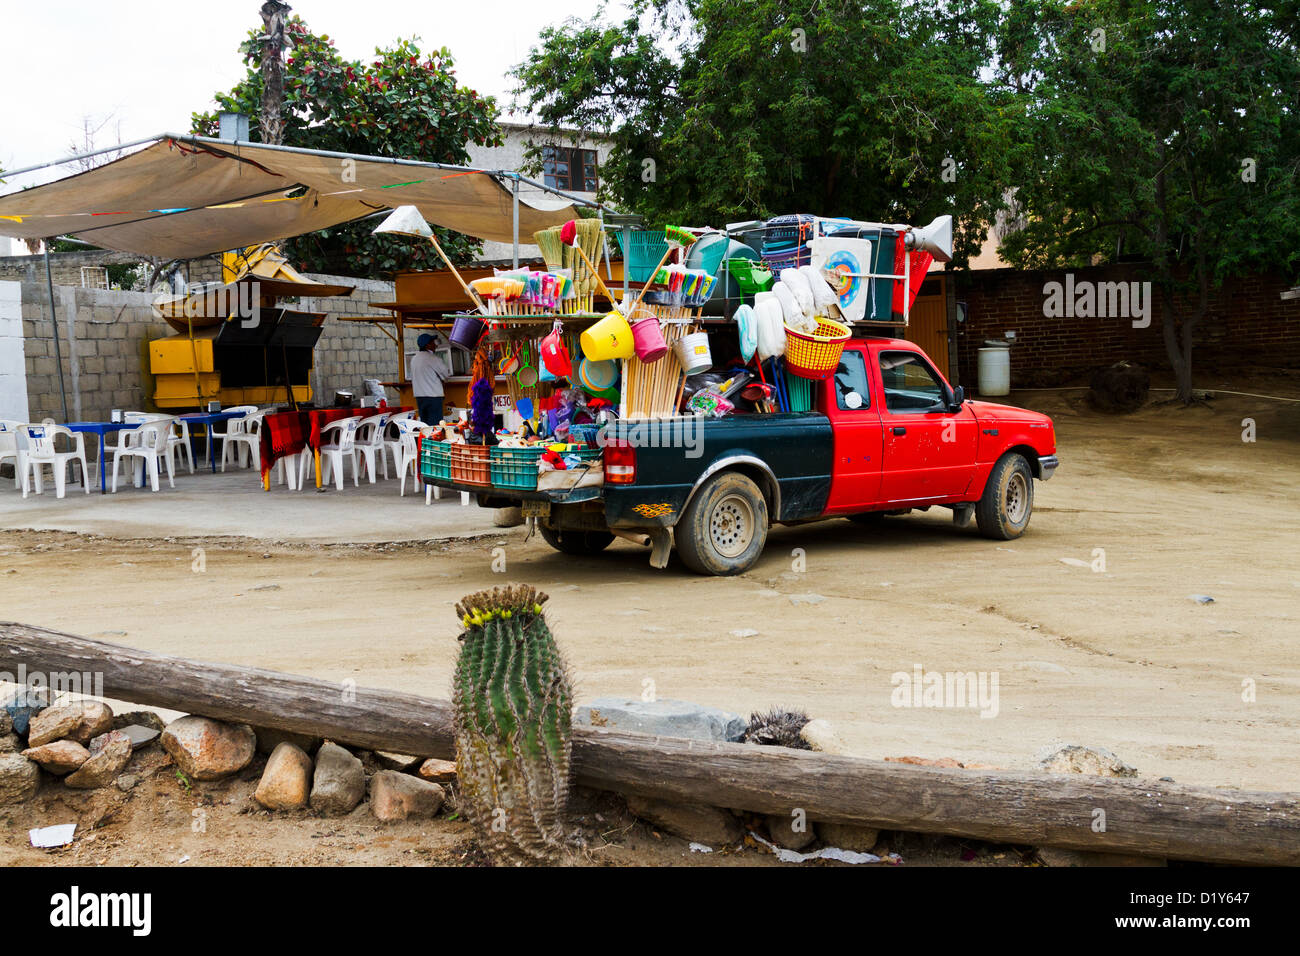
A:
[65, 267]
[1248, 324]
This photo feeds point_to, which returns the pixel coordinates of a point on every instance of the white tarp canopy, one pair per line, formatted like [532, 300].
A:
[184, 197]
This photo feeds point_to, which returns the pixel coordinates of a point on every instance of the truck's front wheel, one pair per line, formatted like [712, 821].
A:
[576, 542]
[1008, 500]
[723, 529]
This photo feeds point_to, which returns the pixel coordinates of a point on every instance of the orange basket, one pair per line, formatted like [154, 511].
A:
[471, 465]
[815, 356]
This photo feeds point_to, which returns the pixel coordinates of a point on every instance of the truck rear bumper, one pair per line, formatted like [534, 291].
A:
[1047, 466]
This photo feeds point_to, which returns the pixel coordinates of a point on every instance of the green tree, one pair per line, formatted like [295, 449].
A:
[404, 104]
[717, 111]
[1164, 131]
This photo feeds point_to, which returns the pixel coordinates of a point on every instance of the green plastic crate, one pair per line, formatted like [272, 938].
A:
[750, 276]
[435, 460]
[516, 467]
[644, 251]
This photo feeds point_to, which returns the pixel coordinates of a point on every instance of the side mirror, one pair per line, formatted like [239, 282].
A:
[956, 396]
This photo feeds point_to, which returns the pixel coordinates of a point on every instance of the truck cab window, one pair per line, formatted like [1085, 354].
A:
[851, 378]
[910, 384]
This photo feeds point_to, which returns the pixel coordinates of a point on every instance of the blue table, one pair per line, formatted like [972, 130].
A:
[101, 429]
[209, 419]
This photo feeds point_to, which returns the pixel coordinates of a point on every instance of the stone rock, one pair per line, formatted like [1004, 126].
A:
[109, 755]
[1090, 760]
[781, 830]
[6, 723]
[438, 771]
[821, 736]
[81, 722]
[339, 783]
[690, 821]
[127, 782]
[392, 761]
[22, 703]
[507, 517]
[286, 781]
[268, 738]
[19, 779]
[664, 718]
[10, 743]
[399, 796]
[140, 736]
[848, 837]
[139, 718]
[206, 749]
[59, 756]
[1055, 856]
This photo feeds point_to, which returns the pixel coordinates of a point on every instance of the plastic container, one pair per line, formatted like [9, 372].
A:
[435, 460]
[815, 356]
[609, 338]
[995, 371]
[465, 332]
[693, 353]
[648, 339]
[470, 465]
[644, 251]
[515, 467]
[750, 275]
[597, 377]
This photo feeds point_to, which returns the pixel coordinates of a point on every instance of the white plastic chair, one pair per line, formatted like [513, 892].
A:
[150, 445]
[41, 450]
[9, 450]
[339, 444]
[393, 438]
[245, 444]
[369, 444]
[407, 458]
[179, 441]
[233, 425]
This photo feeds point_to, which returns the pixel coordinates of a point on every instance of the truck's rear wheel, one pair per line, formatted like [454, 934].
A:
[576, 542]
[1008, 500]
[723, 529]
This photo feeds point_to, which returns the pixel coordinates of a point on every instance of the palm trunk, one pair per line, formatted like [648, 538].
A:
[272, 118]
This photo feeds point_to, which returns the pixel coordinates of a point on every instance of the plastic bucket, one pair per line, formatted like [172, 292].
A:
[465, 332]
[995, 371]
[648, 339]
[609, 338]
[693, 353]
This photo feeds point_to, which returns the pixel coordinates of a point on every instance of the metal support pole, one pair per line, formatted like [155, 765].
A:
[627, 255]
[54, 328]
[515, 213]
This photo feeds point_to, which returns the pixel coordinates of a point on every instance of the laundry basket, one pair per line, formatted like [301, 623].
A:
[815, 356]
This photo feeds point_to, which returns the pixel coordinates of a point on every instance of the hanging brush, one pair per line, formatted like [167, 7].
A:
[552, 247]
[677, 238]
[571, 235]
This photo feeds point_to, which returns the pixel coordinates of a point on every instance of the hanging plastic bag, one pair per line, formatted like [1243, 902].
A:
[747, 328]
[802, 290]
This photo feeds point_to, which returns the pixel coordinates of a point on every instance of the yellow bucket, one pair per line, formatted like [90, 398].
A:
[610, 338]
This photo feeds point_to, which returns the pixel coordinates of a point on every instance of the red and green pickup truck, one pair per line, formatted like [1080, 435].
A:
[889, 435]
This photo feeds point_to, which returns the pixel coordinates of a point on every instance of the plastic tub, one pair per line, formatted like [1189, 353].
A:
[995, 371]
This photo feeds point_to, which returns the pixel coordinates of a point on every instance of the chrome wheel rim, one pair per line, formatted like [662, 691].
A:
[1017, 498]
[731, 526]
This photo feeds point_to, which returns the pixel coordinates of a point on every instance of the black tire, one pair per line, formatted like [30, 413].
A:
[1004, 509]
[724, 528]
[576, 542]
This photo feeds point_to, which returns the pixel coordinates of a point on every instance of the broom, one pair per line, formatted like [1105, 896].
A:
[677, 238]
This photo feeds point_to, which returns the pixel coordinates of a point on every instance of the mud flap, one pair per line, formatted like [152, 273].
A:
[661, 546]
[961, 515]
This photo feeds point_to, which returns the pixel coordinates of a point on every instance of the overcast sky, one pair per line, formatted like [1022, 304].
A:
[149, 64]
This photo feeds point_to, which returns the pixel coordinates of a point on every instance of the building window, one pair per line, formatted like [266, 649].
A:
[569, 168]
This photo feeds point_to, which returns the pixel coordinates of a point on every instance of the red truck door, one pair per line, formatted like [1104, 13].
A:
[848, 401]
[929, 451]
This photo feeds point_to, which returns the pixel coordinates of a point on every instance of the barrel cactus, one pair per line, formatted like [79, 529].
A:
[513, 711]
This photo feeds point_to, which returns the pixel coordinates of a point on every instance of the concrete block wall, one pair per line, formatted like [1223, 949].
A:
[350, 352]
[13, 352]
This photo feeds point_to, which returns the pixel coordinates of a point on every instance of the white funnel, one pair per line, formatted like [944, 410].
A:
[935, 238]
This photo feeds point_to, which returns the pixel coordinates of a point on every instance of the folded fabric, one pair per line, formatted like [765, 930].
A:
[802, 290]
[823, 293]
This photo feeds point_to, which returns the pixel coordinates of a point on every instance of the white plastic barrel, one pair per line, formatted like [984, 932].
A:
[995, 371]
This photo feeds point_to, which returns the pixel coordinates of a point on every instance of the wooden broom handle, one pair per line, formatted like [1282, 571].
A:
[468, 291]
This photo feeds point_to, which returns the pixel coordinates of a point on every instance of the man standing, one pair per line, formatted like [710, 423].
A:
[427, 374]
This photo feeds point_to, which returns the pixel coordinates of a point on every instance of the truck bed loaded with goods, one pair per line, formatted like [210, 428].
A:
[658, 424]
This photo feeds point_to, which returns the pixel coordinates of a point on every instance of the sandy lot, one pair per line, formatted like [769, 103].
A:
[1172, 499]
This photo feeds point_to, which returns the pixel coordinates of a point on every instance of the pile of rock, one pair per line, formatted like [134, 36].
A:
[81, 743]
[304, 772]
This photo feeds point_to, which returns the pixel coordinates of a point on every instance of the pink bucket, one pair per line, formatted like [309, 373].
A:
[649, 340]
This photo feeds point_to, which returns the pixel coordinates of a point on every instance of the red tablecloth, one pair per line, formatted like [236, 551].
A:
[288, 433]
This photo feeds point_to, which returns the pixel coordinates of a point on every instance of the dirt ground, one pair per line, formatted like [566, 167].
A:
[1172, 500]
